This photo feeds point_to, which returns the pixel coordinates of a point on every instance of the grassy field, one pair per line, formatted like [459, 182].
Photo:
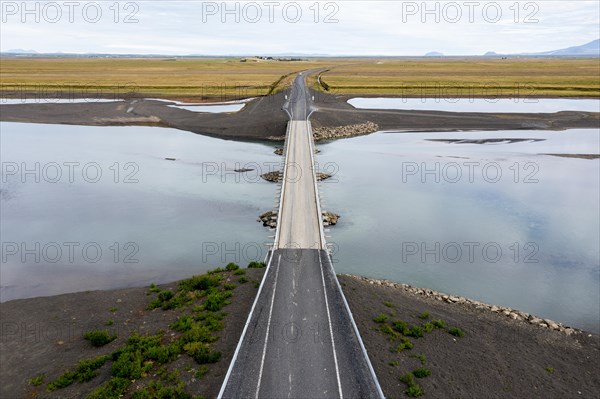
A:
[477, 77]
[227, 78]
[212, 79]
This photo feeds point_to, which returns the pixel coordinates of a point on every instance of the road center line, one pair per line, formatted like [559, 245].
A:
[262, 362]
[337, 370]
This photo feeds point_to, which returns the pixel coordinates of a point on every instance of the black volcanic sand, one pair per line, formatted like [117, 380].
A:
[263, 118]
[497, 357]
[45, 335]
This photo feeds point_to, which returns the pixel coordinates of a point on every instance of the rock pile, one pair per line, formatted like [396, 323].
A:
[273, 177]
[323, 176]
[276, 176]
[330, 218]
[268, 219]
[508, 312]
[322, 133]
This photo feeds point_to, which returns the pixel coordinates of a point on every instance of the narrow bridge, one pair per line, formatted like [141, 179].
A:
[300, 340]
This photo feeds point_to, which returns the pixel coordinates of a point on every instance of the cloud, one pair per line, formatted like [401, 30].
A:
[362, 27]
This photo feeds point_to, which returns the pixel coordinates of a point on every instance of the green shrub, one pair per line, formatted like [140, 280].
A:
[549, 369]
[201, 352]
[231, 267]
[164, 353]
[99, 337]
[230, 286]
[239, 272]
[37, 380]
[381, 318]
[387, 330]
[128, 365]
[394, 363]
[113, 389]
[198, 333]
[212, 320]
[405, 344]
[457, 332]
[63, 381]
[86, 369]
[243, 280]
[214, 301]
[439, 323]
[428, 327]
[421, 373]
[201, 371]
[215, 271]
[109, 322]
[424, 315]
[415, 331]
[401, 327]
[407, 378]
[153, 289]
[199, 283]
[183, 323]
[165, 295]
[389, 304]
[156, 390]
[414, 391]
[256, 265]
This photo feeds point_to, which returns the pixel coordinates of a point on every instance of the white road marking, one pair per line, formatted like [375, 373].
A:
[337, 370]
[262, 362]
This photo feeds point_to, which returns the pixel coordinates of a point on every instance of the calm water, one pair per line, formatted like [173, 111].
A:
[413, 210]
[510, 105]
[175, 218]
[228, 106]
[439, 215]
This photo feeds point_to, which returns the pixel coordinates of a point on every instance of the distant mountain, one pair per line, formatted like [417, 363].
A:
[20, 51]
[434, 54]
[589, 49]
[490, 54]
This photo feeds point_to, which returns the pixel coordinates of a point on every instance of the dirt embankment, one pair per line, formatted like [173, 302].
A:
[493, 356]
[496, 356]
[263, 119]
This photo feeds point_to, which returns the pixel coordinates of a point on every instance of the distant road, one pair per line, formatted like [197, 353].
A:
[300, 340]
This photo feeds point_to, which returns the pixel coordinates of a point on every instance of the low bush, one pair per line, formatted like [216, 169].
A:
[457, 332]
[99, 337]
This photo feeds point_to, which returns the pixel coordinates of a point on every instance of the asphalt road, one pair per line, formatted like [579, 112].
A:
[300, 340]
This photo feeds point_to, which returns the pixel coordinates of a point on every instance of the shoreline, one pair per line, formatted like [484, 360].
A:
[263, 119]
[512, 314]
[45, 338]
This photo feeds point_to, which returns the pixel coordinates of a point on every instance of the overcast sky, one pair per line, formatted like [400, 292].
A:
[278, 27]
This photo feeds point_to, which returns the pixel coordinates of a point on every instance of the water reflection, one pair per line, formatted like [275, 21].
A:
[495, 222]
[152, 219]
[511, 105]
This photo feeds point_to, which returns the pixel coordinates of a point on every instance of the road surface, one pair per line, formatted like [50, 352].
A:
[300, 340]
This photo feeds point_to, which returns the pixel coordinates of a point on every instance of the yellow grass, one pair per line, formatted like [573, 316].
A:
[225, 78]
[170, 78]
[468, 77]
